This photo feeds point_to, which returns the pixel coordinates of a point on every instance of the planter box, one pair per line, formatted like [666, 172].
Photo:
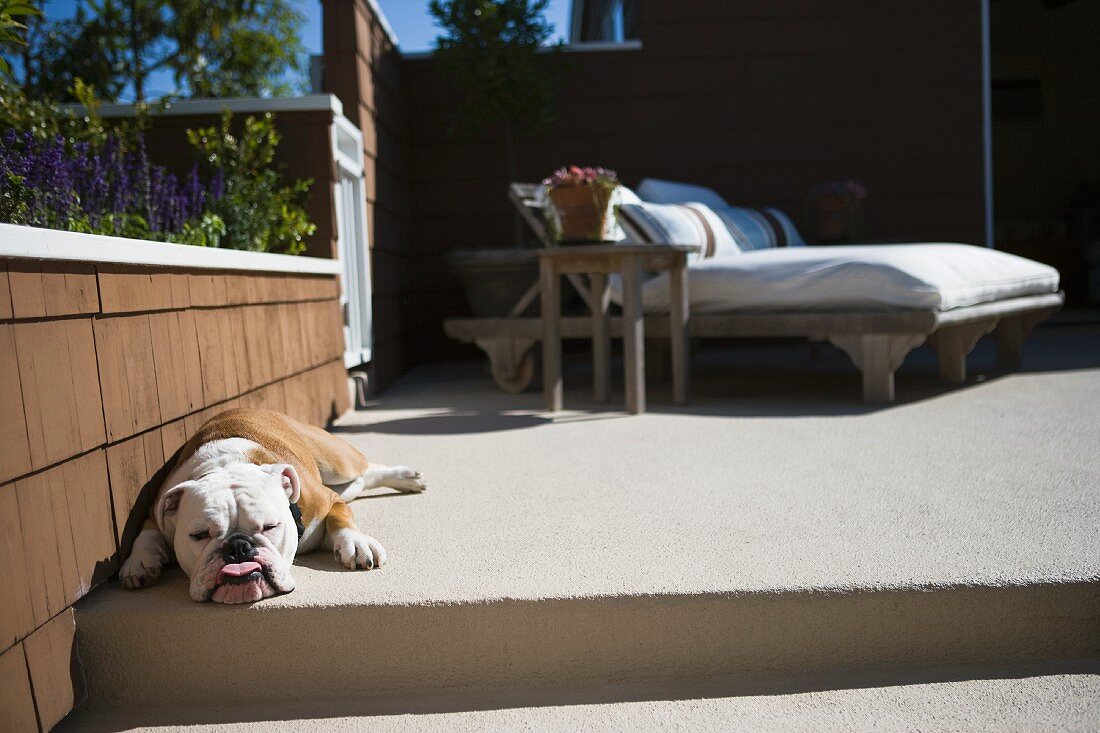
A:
[112, 353]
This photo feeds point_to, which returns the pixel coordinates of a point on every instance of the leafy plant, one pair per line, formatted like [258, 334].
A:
[259, 210]
[10, 27]
[45, 119]
[62, 169]
[490, 49]
[111, 189]
[211, 47]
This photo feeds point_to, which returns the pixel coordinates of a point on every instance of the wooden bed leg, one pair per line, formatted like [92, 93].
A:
[550, 290]
[678, 329]
[953, 343]
[878, 355]
[1011, 333]
[510, 362]
[601, 338]
[633, 337]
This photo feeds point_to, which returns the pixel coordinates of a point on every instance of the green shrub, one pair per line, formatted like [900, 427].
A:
[260, 212]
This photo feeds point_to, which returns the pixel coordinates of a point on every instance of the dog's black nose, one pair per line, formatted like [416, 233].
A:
[238, 548]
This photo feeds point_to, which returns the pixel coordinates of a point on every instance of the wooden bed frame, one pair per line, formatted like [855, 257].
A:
[876, 341]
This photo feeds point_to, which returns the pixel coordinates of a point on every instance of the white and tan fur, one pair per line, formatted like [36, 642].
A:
[234, 481]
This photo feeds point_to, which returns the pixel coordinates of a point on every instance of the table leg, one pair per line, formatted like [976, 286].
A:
[601, 338]
[550, 285]
[633, 336]
[677, 329]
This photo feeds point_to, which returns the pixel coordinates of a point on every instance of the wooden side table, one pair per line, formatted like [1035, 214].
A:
[599, 261]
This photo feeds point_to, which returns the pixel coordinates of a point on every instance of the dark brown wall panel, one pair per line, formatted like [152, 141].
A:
[16, 701]
[16, 609]
[61, 397]
[5, 292]
[40, 544]
[128, 375]
[94, 406]
[136, 289]
[169, 362]
[52, 289]
[28, 296]
[88, 496]
[15, 459]
[207, 289]
[131, 466]
[54, 669]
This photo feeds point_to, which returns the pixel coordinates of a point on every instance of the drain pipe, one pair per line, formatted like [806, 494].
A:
[987, 124]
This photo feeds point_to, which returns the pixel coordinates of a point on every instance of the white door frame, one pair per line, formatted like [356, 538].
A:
[987, 124]
[351, 241]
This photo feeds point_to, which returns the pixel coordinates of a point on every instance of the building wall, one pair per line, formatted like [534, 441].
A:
[1039, 159]
[105, 371]
[361, 69]
[757, 99]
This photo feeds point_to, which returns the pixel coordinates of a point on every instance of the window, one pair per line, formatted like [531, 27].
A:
[605, 21]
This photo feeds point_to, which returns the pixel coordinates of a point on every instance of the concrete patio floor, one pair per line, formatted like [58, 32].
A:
[774, 526]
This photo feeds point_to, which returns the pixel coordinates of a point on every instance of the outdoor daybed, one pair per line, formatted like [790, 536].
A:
[877, 303]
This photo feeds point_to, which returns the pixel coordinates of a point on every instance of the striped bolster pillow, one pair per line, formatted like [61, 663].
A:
[696, 224]
[765, 228]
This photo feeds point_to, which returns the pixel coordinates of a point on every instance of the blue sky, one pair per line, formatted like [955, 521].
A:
[409, 19]
[413, 26]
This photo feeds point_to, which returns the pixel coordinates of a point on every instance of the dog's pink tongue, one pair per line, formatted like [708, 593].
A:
[241, 568]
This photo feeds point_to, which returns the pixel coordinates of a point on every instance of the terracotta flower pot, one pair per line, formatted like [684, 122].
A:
[582, 211]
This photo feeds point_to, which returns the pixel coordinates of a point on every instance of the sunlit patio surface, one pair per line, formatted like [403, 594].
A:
[774, 546]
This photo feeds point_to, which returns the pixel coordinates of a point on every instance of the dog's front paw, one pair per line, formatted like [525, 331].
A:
[356, 550]
[407, 479]
[141, 570]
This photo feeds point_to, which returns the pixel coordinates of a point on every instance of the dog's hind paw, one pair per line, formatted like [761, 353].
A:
[407, 479]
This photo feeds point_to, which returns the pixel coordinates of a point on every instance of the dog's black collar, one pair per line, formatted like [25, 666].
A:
[297, 514]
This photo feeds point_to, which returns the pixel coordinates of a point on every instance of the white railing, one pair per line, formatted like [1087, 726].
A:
[352, 245]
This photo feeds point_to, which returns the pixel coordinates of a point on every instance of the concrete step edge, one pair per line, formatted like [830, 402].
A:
[316, 653]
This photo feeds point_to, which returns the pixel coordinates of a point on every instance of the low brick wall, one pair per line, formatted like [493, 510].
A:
[105, 370]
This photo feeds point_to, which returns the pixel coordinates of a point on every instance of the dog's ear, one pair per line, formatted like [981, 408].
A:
[168, 502]
[291, 484]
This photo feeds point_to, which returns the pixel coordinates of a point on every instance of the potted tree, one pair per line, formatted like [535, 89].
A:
[489, 50]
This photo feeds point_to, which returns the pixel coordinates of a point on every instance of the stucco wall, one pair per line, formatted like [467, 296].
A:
[105, 370]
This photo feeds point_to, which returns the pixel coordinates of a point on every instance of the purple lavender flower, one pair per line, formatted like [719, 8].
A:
[56, 183]
[217, 186]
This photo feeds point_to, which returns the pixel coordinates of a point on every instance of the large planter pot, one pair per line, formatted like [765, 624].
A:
[582, 211]
[496, 279]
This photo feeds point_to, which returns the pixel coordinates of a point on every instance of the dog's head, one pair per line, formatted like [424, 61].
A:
[233, 531]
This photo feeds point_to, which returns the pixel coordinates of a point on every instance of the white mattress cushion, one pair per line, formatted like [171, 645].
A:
[658, 191]
[883, 277]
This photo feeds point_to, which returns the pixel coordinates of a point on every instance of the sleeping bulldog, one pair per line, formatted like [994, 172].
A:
[248, 492]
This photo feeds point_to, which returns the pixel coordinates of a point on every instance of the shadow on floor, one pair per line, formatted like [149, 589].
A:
[454, 423]
[656, 691]
[758, 378]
